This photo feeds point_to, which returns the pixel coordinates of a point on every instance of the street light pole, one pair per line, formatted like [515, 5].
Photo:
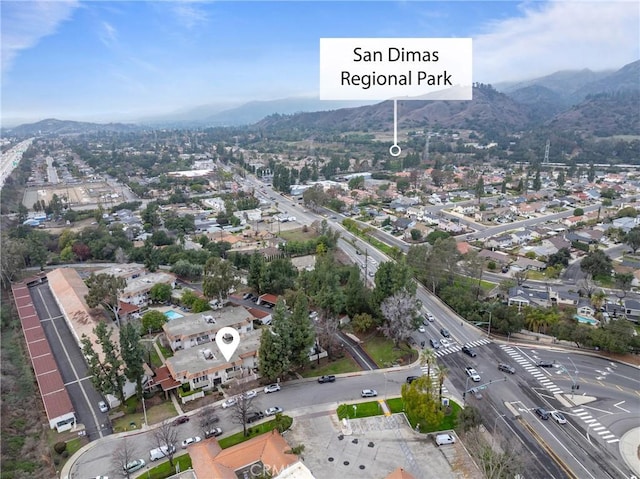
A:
[495, 425]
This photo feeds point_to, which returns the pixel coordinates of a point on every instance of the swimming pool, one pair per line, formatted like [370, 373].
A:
[172, 315]
[585, 320]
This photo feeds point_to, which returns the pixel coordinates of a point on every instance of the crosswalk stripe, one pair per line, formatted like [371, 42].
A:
[609, 436]
[612, 441]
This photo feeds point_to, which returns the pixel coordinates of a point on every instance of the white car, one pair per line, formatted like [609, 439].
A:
[558, 417]
[369, 393]
[444, 342]
[422, 329]
[430, 317]
[103, 406]
[229, 402]
[271, 388]
[272, 411]
[134, 466]
[250, 394]
[473, 374]
[190, 440]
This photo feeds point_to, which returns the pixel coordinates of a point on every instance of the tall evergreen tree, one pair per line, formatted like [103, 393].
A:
[275, 345]
[302, 332]
[132, 353]
[106, 373]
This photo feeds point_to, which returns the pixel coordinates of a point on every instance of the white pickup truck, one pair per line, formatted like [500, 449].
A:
[473, 374]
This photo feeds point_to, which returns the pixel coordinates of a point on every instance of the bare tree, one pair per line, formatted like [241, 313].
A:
[495, 464]
[399, 312]
[206, 419]
[241, 410]
[326, 332]
[166, 435]
[521, 276]
[123, 455]
[587, 285]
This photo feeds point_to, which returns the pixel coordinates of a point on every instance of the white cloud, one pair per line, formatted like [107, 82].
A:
[188, 13]
[108, 34]
[563, 35]
[25, 23]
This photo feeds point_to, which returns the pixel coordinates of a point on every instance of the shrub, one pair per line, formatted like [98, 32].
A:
[491, 265]
[60, 447]
[65, 454]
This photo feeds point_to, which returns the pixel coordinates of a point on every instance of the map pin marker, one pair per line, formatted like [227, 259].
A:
[228, 340]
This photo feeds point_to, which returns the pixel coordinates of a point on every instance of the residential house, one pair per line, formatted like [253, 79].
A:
[402, 224]
[205, 366]
[626, 223]
[248, 216]
[526, 264]
[497, 256]
[519, 296]
[585, 308]
[502, 242]
[137, 289]
[266, 455]
[520, 237]
[632, 309]
[196, 329]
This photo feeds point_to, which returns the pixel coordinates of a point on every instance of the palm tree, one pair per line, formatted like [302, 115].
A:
[427, 358]
[442, 374]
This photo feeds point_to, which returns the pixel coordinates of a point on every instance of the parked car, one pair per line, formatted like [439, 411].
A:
[215, 432]
[435, 343]
[247, 296]
[473, 374]
[271, 388]
[558, 417]
[250, 394]
[410, 379]
[272, 411]
[327, 379]
[369, 393]
[180, 420]
[254, 416]
[544, 364]
[421, 329]
[542, 412]
[103, 406]
[229, 402]
[134, 466]
[445, 332]
[506, 368]
[443, 439]
[468, 351]
[190, 440]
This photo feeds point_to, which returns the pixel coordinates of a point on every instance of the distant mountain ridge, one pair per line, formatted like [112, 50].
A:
[567, 99]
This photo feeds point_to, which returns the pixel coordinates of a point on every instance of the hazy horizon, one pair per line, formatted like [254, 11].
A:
[125, 61]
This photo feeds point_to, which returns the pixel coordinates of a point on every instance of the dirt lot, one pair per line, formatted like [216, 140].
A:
[82, 194]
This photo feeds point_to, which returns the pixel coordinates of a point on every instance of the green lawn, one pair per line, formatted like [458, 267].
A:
[385, 354]
[255, 431]
[298, 234]
[165, 470]
[166, 352]
[396, 405]
[363, 409]
[339, 366]
[155, 415]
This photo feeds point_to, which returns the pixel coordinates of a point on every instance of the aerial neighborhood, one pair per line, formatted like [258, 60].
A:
[414, 288]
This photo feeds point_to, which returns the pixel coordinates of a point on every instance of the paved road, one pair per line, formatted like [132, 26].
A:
[11, 158]
[71, 364]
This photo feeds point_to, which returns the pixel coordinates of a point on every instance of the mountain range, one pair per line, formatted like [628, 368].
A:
[603, 102]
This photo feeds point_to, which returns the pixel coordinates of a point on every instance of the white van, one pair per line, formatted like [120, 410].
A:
[160, 452]
[442, 439]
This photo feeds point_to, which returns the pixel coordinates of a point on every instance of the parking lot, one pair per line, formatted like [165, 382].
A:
[71, 364]
[377, 446]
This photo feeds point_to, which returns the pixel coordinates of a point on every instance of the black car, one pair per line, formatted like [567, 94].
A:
[327, 379]
[410, 379]
[544, 364]
[468, 351]
[247, 296]
[445, 332]
[254, 416]
[542, 412]
[181, 420]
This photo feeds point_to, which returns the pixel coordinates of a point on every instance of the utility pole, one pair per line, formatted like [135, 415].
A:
[366, 264]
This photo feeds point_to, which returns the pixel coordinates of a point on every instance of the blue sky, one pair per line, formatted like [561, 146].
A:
[115, 60]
